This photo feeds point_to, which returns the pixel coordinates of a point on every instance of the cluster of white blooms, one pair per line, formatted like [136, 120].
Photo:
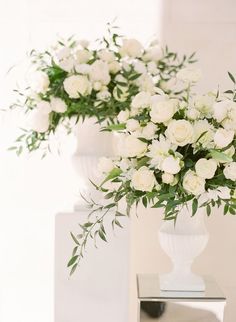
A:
[186, 140]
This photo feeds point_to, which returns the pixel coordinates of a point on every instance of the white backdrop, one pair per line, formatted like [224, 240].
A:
[31, 190]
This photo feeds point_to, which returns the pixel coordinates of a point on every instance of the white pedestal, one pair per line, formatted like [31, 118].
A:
[98, 290]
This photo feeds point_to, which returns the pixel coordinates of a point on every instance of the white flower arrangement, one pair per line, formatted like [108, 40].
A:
[77, 79]
[175, 149]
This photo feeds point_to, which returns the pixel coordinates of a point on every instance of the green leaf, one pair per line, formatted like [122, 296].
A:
[112, 174]
[220, 156]
[231, 77]
[74, 238]
[194, 206]
[102, 235]
[208, 210]
[72, 260]
[115, 127]
[118, 223]
[73, 269]
[226, 208]
[141, 162]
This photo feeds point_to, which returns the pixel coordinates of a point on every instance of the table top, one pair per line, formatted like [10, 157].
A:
[148, 288]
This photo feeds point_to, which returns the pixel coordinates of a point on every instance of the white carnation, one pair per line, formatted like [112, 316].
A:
[77, 85]
[171, 165]
[58, 105]
[180, 132]
[230, 171]
[143, 179]
[39, 82]
[99, 72]
[223, 137]
[131, 48]
[193, 184]
[206, 168]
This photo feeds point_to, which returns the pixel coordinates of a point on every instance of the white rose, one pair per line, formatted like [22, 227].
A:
[225, 113]
[106, 55]
[171, 165]
[114, 67]
[121, 93]
[67, 64]
[63, 53]
[83, 56]
[189, 75]
[104, 95]
[132, 125]
[162, 112]
[105, 165]
[145, 83]
[44, 107]
[123, 116]
[39, 82]
[223, 137]
[131, 48]
[230, 171]
[58, 105]
[38, 121]
[131, 147]
[141, 100]
[180, 132]
[143, 179]
[192, 114]
[77, 85]
[193, 184]
[83, 69]
[153, 54]
[206, 168]
[167, 178]
[204, 104]
[148, 131]
[99, 72]
[97, 86]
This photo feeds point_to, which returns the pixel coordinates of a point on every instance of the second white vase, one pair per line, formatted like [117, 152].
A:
[183, 242]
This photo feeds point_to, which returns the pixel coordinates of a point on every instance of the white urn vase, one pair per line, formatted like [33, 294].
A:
[183, 241]
[91, 145]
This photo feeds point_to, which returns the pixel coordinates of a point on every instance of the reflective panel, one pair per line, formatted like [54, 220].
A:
[156, 305]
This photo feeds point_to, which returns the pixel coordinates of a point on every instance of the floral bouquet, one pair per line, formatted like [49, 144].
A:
[75, 79]
[176, 148]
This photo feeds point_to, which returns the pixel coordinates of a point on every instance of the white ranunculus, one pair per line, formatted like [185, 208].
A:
[77, 85]
[114, 67]
[141, 100]
[171, 165]
[180, 132]
[148, 131]
[121, 93]
[83, 56]
[132, 48]
[44, 107]
[123, 116]
[105, 165]
[132, 125]
[106, 55]
[58, 105]
[39, 82]
[131, 147]
[83, 69]
[153, 53]
[192, 114]
[189, 75]
[193, 184]
[223, 137]
[143, 179]
[204, 104]
[167, 178]
[230, 171]
[206, 168]
[104, 95]
[38, 121]
[99, 72]
[162, 112]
